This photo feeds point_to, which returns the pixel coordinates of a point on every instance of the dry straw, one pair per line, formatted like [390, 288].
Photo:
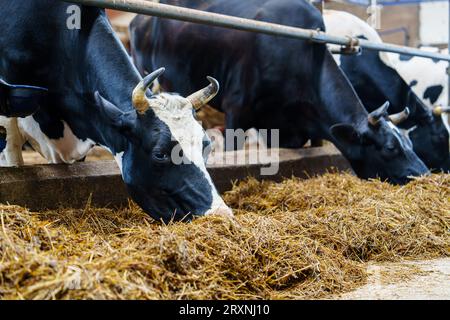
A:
[297, 239]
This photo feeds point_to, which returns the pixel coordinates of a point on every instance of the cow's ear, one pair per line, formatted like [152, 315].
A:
[346, 134]
[118, 118]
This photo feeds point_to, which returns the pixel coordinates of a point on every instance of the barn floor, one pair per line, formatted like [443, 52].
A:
[409, 280]
[421, 279]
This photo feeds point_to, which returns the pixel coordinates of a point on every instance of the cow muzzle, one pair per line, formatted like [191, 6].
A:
[221, 210]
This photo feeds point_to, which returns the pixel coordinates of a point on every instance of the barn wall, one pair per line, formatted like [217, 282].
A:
[406, 16]
[434, 30]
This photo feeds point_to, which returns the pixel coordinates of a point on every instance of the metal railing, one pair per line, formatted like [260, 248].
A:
[220, 20]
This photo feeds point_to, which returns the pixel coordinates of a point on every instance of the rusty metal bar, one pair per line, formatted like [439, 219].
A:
[220, 20]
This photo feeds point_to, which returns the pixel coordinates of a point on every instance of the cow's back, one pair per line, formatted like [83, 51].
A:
[20, 22]
[249, 66]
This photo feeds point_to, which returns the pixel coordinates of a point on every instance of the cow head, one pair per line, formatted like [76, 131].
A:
[377, 148]
[430, 139]
[163, 163]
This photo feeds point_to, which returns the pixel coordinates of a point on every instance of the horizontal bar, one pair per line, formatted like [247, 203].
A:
[366, 3]
[220, 20]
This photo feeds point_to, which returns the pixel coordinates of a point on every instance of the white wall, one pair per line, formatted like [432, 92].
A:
[434, 23]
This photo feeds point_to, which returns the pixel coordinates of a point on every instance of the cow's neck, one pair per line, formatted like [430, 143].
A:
[375, 81]
[108, 70]
[108, 63]
[338, 101]
[385, 85]
[419, 111]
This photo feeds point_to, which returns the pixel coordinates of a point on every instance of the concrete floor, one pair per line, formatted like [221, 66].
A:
[411, 280]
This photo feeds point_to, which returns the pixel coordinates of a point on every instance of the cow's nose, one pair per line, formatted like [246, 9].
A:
[222, 210]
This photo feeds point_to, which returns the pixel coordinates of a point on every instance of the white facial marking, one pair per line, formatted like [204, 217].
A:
[118, 157]
[401, 137]
[407, 132]
[177, 113]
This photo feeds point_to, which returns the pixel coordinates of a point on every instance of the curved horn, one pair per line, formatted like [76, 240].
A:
[400, 117]
[202, 97]
[376, 116]
[140, 101]
[438, 111]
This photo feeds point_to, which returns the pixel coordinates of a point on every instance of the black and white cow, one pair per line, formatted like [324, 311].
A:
[96, 96]
[275, 83]
[375, 80]
[427, 78]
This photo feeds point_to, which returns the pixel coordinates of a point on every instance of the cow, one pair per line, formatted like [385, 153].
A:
[275, 83]
[15, 101]
[375, 80]
[97, 97]
[428, 79]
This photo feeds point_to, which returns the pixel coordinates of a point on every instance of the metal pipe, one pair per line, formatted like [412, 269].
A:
[220, 20]
[385, 3]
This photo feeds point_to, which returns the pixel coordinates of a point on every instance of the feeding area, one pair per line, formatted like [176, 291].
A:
[216, 150]
[292, 240]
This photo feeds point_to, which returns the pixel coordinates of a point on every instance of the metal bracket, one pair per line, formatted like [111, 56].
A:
[314, 34]
[352, 48]
[347, 51]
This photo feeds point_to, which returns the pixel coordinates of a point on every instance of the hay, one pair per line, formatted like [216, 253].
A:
[297, 239]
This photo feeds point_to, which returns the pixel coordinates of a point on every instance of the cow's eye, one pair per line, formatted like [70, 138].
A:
[389, 151]
[390, 148]
[160, 157]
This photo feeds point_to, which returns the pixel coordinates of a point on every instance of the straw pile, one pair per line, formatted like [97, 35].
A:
[297, 239]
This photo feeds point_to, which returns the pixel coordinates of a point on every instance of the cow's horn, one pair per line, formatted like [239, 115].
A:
[438, 111]
[140, 101]
[202, 97]
[399, 117]
[376, 116]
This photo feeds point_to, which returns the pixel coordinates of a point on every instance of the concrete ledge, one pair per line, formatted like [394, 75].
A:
[301, 163]
[51, 186]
